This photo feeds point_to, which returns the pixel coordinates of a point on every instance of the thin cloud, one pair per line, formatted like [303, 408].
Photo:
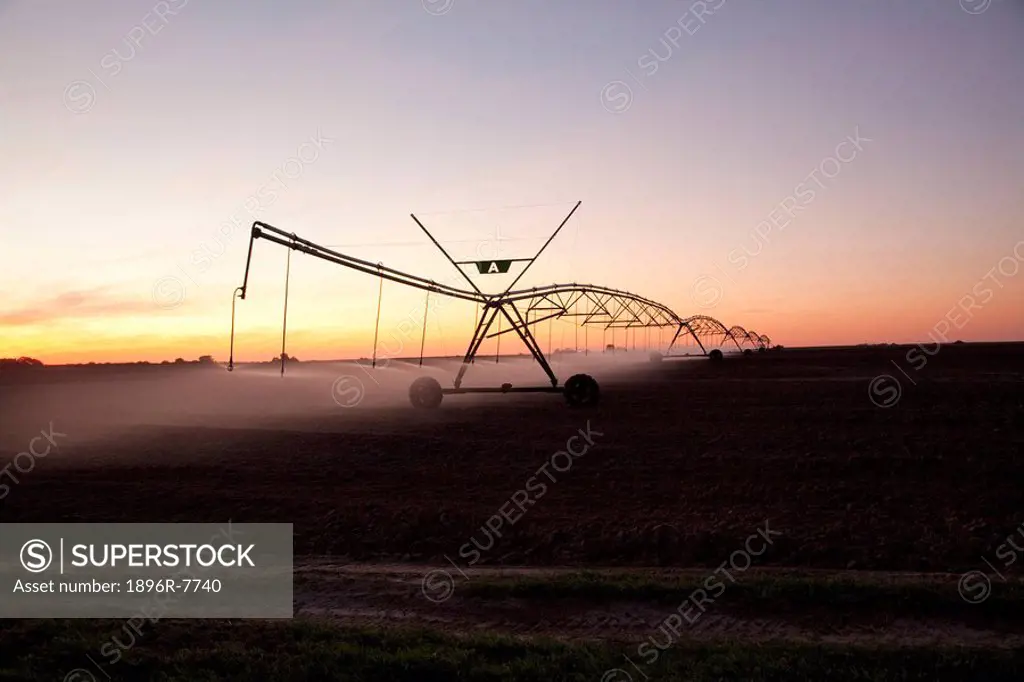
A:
[75, 305]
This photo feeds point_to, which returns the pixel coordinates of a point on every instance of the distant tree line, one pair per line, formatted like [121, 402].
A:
[25, 362]
[206, 360]
[12, 363]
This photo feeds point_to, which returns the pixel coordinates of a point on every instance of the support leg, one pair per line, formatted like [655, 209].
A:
[674, 338]
[526, 335]
[486, 320]
[695, 338]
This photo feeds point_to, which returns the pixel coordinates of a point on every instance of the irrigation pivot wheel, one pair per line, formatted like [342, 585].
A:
[656, 356]
[425, 393]
[715, 355]
[581, 391]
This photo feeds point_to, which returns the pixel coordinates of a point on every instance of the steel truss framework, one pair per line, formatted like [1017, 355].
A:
[750, 337]
[518, 311]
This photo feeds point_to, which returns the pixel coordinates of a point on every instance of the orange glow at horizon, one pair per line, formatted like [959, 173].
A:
[878, 207]
[124, 340]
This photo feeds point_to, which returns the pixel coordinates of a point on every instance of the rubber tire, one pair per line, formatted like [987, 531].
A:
[747, 351]
[656, 356]
[581, 390]
[715, 356]
[425, 393]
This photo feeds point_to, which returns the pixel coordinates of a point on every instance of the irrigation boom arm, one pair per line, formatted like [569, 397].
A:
[292, 241]
[609, 308]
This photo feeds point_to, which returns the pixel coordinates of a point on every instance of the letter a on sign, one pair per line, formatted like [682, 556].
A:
[492, 267]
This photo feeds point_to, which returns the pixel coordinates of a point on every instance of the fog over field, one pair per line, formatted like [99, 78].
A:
[100, 402]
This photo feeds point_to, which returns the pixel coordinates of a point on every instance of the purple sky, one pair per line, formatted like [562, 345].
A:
[123, 162]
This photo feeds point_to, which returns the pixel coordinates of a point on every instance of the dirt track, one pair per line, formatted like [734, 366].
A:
[405, 595]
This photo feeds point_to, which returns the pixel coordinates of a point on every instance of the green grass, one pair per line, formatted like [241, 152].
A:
[196, 651]
[766, 594]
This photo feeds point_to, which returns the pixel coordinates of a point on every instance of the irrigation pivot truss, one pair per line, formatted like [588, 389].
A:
[742, 336]
[514, 311]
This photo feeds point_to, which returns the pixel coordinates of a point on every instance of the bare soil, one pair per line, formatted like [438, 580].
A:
[692, 460]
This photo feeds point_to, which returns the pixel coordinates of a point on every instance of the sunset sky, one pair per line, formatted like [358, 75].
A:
[140, 140]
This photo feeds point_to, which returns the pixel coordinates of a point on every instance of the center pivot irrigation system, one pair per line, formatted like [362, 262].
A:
[522, 309]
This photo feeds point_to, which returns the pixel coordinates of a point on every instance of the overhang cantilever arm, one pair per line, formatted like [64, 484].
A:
[278, 236]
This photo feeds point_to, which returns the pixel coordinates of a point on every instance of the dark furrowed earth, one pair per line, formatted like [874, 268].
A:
[687, 460]
[852, 504]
